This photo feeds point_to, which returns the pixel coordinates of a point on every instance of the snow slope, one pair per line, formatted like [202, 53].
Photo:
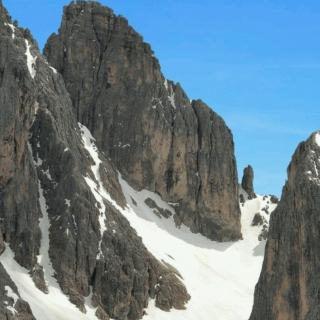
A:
[220, 277]
[52, 306]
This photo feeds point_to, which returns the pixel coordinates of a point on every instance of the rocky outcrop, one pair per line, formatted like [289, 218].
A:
[156, 137]
[288, 288]
[247, 182]
[45, 170]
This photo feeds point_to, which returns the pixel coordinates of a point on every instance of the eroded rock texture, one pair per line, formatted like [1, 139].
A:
[147, 125]
[42, 149]
[288, 288]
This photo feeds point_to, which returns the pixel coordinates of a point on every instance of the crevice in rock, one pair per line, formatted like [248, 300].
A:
[199, 135]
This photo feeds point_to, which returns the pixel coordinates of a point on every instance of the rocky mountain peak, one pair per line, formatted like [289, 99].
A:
[313, 158]
[146, 124]
[287, 285]
[60, 203]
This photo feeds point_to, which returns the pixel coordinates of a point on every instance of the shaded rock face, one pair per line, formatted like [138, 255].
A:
[247, 182]
[288, 287]
[156, 137]
[41, 147]
[19, 211]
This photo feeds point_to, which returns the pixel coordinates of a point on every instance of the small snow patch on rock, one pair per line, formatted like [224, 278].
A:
[31, 60]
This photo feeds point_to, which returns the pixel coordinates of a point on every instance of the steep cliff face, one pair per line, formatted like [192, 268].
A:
[19, 211]
[288, 288]
[59, 205]
[157, 138]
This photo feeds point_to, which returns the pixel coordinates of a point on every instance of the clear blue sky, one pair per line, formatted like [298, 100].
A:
[257, 63]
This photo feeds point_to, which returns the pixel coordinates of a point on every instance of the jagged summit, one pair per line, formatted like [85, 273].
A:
[287, 288]
[314, 158]
[63, 240]
[147, 125]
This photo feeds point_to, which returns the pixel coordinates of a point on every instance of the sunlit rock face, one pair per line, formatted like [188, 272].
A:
[288, 286]
[156, 136]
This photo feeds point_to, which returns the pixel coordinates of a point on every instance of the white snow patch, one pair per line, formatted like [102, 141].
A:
[13, 29]
[46, 173]
[174, 204]
[96, 186]
[38, 162]
[31, 61]
[11, 294]
[171, 98]
[52, 306]
[171, 94]
[166, 84]
[220, 277]
[53, 69]
[67, 202]
[44, 224]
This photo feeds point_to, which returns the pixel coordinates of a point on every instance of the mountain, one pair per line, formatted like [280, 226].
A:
[58, 220]
[288, 285]
[119, 196]
[156, 136]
